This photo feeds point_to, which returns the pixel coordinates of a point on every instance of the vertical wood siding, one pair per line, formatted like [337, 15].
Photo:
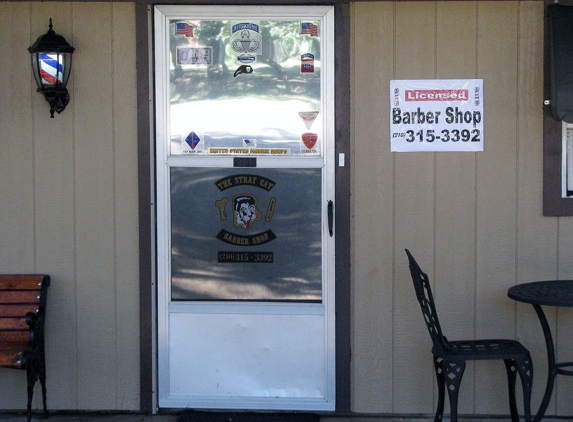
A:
[473, 220]
[69, 201]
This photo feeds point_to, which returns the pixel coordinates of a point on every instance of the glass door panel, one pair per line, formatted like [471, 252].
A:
[246, 234]
[245, 87]
[245, 187]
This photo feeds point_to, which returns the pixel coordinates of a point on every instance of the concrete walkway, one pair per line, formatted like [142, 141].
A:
[89, 417]
[136, 417]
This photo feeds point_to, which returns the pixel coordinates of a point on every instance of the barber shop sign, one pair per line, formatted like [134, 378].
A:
[436, 115]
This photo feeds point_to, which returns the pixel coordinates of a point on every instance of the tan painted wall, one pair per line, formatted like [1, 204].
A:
[473, 220]
[69, 201]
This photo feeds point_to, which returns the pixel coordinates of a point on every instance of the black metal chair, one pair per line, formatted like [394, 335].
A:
[450, 356]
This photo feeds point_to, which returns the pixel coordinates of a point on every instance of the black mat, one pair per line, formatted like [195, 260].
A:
[203, 416]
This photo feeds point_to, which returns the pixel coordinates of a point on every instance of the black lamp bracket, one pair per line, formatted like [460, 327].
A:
[57, 98]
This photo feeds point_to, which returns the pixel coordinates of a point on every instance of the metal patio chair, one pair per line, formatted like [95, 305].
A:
[450, 356]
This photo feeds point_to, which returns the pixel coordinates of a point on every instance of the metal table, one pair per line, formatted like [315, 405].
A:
[548, 293]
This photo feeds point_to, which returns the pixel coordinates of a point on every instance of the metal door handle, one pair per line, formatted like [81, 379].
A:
[330, 217]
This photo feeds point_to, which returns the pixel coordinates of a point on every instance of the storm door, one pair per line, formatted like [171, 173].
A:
[245, 188]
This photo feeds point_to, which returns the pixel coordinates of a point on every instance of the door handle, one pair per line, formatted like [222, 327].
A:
[330, 217]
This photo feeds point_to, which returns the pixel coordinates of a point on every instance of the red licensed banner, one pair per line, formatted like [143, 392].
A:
[437, 95]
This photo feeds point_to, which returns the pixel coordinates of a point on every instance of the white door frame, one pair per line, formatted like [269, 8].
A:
[168, 311]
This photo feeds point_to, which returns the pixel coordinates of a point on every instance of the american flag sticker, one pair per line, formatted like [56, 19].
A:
[184, 28]
[309, 28]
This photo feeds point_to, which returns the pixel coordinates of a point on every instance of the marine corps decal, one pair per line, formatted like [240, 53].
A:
[309, 139]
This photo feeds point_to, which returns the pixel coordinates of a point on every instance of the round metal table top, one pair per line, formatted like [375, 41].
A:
[550, 292]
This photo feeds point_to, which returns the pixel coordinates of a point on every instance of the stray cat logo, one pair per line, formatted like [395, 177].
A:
[245, 210]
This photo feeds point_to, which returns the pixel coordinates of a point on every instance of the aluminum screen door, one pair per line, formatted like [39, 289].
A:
[245, 188]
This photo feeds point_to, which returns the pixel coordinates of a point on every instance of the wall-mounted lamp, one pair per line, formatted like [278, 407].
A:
[51, 66]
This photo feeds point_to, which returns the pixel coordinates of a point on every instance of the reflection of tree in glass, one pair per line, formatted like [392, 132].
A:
[276, 70]
[296, 271]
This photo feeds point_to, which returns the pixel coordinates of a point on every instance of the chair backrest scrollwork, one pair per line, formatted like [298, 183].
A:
[426, 300]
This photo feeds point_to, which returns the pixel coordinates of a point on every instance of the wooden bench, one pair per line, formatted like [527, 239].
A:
[22, 312]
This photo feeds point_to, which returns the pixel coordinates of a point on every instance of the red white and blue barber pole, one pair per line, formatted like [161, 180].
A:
[51, 70]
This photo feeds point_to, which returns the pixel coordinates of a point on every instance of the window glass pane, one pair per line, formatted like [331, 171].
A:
[246, 234]
[245, 88]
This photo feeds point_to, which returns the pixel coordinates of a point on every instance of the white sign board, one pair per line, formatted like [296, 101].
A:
[436, 115]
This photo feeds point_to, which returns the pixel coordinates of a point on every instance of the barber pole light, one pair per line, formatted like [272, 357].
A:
[51, 69]
[51, 64]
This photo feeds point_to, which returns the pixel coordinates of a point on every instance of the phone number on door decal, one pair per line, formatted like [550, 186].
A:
[248, 257]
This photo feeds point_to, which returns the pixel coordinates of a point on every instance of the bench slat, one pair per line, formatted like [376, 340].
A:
[16, 310]
[12, 356]
[15, 336]
[12, 346]
[13, 324]
[20, 281]
[27, 296]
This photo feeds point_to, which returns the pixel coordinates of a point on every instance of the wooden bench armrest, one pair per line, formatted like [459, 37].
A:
[22, 311]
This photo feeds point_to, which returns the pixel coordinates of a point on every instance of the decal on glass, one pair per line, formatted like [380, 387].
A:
[195, 55]
[249, 143]
[221, 205]
[245, 257]
[308, 117]
[246, 41]
[245, 68]
[270, 210]
[309, 139]
[192, 140]
[245, 211]
[307, 63]
[309, 28]
[184, 28]
[192, 143]
[237, 239]
[250, 151]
